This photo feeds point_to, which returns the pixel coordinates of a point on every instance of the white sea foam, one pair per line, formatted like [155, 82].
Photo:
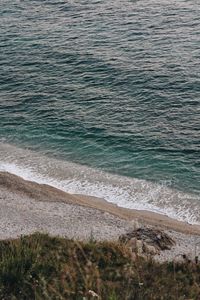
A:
[123, 191]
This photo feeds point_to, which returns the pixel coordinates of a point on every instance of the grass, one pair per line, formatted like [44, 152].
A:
[40, 267]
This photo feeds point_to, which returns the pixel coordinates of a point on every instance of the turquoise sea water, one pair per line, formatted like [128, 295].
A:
[108, 89]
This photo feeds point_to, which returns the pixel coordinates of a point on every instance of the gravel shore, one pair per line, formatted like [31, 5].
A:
[22, 215]
[27, 207]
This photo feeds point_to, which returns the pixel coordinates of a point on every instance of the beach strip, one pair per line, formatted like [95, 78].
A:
[11, 183]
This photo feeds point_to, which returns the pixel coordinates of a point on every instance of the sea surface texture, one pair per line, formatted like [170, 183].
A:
[103, 98]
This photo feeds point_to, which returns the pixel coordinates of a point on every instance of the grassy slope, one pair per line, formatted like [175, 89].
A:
[42, 267]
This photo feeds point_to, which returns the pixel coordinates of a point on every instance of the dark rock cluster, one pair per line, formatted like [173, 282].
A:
[146, 240]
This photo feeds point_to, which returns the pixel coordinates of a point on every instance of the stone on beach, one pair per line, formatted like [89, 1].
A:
[147, 241]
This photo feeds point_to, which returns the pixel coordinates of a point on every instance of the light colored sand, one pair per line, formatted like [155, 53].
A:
[46, 193]
[27, 207]
[21, 215]
[185, 244]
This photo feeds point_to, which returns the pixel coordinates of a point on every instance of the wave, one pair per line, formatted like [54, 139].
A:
[79, 179]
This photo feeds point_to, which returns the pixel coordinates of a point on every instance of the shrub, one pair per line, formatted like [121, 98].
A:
[40, 267]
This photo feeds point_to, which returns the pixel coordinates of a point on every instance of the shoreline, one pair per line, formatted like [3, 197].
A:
[129, 192]
[14, 184]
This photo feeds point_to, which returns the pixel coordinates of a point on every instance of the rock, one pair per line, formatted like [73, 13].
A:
[140, 247]
[151, 240]
[151, 250]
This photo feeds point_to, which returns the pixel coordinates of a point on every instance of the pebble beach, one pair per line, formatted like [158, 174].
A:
[28, 207]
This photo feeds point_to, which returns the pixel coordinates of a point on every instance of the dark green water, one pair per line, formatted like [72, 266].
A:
[113, 85]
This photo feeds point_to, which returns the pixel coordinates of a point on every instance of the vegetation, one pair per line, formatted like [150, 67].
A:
[40, 267]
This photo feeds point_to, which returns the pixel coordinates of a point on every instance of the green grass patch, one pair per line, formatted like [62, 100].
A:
[40, 267]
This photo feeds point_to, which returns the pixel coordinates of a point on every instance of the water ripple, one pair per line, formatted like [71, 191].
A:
[111, 84]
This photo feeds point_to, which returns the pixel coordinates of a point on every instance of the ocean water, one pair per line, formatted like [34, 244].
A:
[103, 98]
